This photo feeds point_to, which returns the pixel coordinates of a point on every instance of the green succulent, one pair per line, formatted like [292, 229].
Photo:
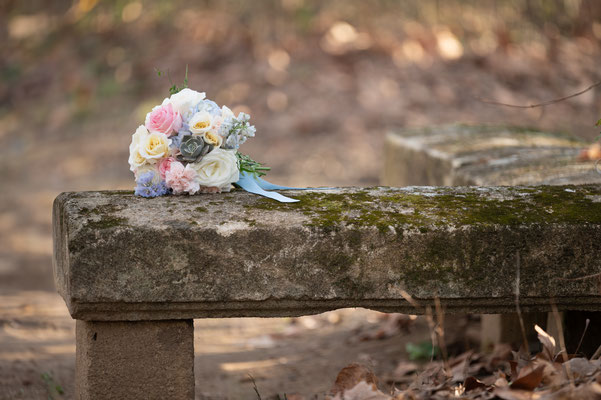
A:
[193, 149]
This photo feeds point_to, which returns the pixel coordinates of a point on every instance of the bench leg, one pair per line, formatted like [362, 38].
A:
[135, 360]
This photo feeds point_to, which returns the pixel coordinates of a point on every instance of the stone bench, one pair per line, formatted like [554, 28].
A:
[135, 272]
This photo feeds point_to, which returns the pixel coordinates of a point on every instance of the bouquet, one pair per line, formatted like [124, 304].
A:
[189, 145]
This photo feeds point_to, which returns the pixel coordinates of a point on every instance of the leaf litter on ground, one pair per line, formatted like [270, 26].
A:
[503, 374]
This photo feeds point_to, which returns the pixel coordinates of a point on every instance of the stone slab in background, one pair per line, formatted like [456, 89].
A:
[483, 155]
[122, 257]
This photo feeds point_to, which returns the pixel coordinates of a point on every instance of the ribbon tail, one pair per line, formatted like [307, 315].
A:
[270, 186]
[263, 184]
[251, 185]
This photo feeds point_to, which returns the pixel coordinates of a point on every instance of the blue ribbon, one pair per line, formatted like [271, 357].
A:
[260, 186]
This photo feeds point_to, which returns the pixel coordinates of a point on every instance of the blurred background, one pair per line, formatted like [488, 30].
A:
[323, 82]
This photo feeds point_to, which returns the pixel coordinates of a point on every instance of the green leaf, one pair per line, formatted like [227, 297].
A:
[247, 164]
[174, 88]
[52, 386]
[185, 85]
[421, 351]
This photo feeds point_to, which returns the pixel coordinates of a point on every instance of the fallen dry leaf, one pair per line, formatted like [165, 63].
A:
[529, 378]
[459, 370]
[432, 378]
[501, 382]
[514, 368]
[509, 394]
[350, 376]
[589, 391]
[500, 354]
[582, 368]
[547, 341]
[403, 369]
[472, 383]
[362, 391]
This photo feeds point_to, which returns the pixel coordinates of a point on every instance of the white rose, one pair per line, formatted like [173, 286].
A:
[200, 123]
[154, 146]
[136, 160]
[219, 169]
[184, 100]
[226, 112]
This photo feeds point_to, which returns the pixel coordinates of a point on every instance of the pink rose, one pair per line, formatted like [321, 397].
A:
[164, 166]
[163, 119]
[181, 179]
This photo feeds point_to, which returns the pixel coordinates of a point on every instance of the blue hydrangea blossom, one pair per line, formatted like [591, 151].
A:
[148, 186]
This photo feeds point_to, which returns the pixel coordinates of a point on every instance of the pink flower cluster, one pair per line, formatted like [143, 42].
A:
[163, 119]
[179, 178]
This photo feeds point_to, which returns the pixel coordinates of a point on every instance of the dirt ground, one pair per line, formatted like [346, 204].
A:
[321, 101]
[283, 355]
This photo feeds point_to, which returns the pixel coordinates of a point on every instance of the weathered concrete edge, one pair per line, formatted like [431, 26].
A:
[292, 308]
[60, 229]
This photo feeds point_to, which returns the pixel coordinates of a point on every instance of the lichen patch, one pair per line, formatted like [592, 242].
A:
[229, 228]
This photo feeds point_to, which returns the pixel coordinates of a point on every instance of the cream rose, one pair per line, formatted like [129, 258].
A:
[219, 169]
[136, 160]
[212, 138]
[200, 123]
[184, 100]
[154, 147]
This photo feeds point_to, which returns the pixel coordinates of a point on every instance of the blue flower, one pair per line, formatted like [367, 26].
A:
[147, 185]
[236, 130]
[176, 140]
[205, 105]
[210, 106]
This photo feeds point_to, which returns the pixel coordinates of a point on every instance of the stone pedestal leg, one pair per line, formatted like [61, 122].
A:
[505, 328]
[135, 360]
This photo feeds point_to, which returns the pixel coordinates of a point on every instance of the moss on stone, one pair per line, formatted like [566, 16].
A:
[250, 221]
[118, 193]
[387, 208]
[102, 210]
[106, 222]
[201, 209]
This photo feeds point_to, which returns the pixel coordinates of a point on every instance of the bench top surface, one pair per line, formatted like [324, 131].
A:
[122, 257]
